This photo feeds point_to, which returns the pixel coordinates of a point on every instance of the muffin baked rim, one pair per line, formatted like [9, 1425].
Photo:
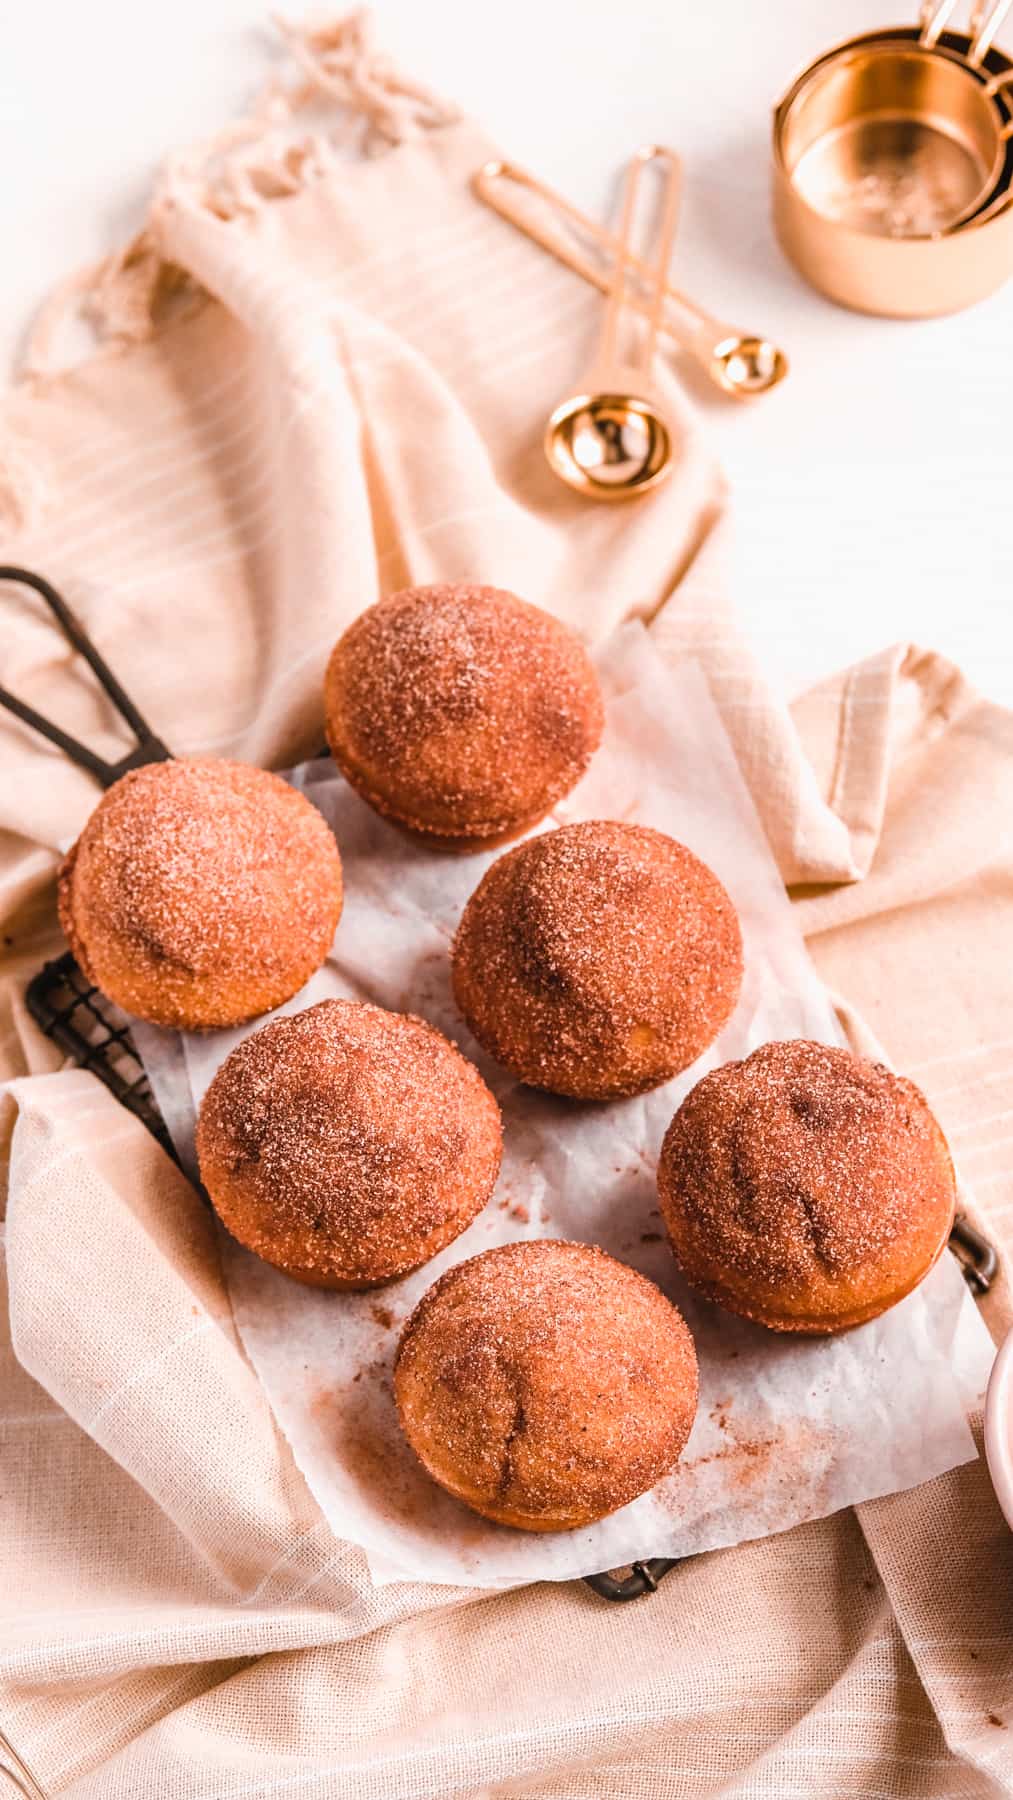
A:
[502, 826]
[488, 1031]
[619, 1271]
[192, 996]
[471, 1081]
[729, 1296]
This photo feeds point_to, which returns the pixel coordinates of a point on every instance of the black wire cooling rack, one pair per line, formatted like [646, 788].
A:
[95, 1034]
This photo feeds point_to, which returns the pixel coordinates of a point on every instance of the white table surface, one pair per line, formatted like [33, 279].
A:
[872, 490]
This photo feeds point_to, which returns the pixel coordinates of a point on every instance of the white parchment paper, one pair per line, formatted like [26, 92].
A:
[787, 1429]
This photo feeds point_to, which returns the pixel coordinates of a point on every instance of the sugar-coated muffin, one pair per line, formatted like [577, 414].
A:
[806, 1188]
[545, 1384]
[597, 960]
[201, 892]
[347, 1145]
[460, 711]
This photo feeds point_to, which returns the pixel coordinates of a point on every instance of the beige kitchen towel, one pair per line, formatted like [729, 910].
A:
[326, 373]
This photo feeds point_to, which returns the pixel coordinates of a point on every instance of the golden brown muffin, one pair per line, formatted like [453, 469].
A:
[806, 1188]
[460, 711]
[347, 1145]
[597, 960]
[201, 892]
[545, 1384]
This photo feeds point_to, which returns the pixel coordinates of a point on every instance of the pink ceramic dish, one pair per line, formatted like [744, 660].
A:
[999, 1428]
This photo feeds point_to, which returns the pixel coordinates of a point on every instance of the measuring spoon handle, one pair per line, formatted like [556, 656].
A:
[502, 186]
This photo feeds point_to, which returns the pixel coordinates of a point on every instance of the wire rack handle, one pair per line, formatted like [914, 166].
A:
[149, 748]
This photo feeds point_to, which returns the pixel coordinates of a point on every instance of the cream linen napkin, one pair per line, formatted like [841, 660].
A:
[324, 378]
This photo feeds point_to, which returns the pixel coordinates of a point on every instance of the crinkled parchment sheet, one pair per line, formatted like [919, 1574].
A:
[787, 1429]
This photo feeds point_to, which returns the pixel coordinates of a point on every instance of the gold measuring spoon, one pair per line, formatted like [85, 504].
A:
[610, 440]
[740, 363]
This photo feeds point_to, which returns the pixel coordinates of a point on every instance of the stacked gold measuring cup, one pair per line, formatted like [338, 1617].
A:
[893, 165]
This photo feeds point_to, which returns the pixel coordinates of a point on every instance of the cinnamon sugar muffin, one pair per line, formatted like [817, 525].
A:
[201, 892]
[460, 711]
[347, 1145]
[806, 1188]
[545, 1384]
[597, 960]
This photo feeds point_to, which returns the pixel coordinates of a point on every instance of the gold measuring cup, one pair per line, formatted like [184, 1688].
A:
[892, 159]
[741, 364]
[610, 440]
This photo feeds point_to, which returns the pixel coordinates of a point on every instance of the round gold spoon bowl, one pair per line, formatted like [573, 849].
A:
[747, 366]
[608, 446]
[609, 440]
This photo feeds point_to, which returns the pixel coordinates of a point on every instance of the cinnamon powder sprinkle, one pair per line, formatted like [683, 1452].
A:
[597, 960]
[460, 710]
[545, 1383]
[201, 892]
[346, 1144]
[805, 1187]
